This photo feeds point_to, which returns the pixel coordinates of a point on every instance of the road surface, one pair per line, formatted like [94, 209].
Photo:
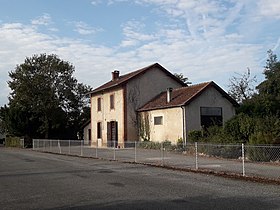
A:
[33, 180]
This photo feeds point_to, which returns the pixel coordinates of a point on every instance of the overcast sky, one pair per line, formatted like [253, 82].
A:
[203, 39]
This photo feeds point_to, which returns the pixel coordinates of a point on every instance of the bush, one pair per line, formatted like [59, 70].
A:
[223, 151]
[195, 136]
[264, 153]
[150, 145]
[12, 141]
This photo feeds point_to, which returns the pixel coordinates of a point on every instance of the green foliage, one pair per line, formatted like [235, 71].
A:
[46, 100]
[195, 136]
[12, 141]
[224, 151]
[269, 89]
[180, 143]
[182, 78]
[150, 145]
[241, 87]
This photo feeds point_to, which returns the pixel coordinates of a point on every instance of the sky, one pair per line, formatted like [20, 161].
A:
[205, 40]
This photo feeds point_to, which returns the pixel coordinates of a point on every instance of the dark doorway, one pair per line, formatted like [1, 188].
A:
[112, 134]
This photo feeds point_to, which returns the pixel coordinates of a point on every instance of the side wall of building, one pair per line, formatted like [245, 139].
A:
[170, 129]
[107, 115]
[209, 98]
[140, 91]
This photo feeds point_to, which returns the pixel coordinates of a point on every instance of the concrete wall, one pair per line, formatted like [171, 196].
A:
[106, 115]
[209, 98]
[86, 133]
[172, 125]
[143, 89]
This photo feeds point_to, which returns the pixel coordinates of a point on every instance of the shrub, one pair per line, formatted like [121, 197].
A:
[12, 141]
[195, 136]
[264, 153]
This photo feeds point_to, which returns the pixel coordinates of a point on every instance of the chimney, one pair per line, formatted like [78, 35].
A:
[169, 94]
[115, 75]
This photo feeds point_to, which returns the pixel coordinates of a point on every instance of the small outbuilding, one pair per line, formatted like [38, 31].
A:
[172, 114]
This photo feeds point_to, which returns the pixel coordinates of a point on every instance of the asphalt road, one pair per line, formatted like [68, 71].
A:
[33, 180]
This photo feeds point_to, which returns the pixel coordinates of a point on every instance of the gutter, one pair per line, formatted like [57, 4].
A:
[184, 126]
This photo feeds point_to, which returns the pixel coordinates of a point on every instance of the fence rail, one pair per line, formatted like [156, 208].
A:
[253, 161]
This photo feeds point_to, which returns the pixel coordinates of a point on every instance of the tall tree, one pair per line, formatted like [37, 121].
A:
[241, 86]
[269, 89]
[46, 100]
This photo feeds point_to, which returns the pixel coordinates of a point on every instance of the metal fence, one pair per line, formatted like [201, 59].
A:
[262, 161]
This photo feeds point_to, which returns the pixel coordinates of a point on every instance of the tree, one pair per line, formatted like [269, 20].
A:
[241, 87]
[46, 100]
[182, 78]
[269, 89]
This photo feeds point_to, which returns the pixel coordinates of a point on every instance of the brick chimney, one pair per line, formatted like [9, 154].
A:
[169, 94]
[115, 75]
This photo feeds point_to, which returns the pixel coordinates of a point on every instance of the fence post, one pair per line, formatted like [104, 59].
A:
[162, 154]
[196, 156]
[135, 152]
[243, 160]
[44, 145]
[114, 150]
[69, 147]
[96, 148]
[33, 144]
[81, 148]
[58, 144]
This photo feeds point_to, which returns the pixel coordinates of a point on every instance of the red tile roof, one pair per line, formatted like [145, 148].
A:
[183, 96]
[125, 78]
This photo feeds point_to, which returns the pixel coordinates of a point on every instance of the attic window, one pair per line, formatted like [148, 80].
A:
[158, 120]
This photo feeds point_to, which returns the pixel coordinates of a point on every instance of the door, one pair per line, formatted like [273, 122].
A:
[112, 134]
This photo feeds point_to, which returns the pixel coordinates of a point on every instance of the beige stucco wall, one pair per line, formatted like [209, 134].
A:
[209, 98]
[172, 125]
[145, 88]
[86, 134]
[106, 115]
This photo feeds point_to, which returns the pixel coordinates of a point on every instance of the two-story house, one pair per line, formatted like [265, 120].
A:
[114, 105]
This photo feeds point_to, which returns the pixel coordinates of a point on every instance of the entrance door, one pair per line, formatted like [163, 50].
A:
[112, 133]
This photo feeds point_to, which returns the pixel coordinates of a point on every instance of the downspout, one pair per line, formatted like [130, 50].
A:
[184, 126]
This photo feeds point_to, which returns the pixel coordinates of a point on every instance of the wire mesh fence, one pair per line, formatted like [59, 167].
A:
[256, 161]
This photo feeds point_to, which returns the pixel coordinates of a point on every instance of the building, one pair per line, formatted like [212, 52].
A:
[175, 112]
[114, 105]
[151, 103]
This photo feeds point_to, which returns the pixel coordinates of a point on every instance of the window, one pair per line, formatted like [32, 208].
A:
[158, 120]
[99, 104]
[211, 116]
[112, 101]
[89, 134]
[99, 133]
